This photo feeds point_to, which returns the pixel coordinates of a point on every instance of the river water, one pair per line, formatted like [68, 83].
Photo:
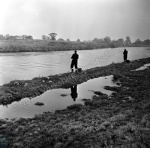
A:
[29, 65]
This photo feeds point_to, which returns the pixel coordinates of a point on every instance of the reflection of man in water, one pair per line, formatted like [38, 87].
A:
[74, 62]
[74, 93]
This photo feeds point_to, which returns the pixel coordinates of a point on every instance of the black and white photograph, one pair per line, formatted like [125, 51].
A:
[74, 73]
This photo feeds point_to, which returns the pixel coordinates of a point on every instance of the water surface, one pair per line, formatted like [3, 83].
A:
[56, 99]
[28, 65]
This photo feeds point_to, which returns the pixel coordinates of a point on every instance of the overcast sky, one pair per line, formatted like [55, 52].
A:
[73, 19]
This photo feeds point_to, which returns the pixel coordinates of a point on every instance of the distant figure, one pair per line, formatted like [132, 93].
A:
[74, 62]
[125, 53]
[74, 93]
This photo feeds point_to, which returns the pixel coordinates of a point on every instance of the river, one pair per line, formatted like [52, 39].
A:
[29, 65]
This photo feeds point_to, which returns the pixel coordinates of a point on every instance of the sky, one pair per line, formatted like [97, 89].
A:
[76, 19]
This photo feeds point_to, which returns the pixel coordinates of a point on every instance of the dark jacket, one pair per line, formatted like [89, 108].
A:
[75, 57]
[125, 52]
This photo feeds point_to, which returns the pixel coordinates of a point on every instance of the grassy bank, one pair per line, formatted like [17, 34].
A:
[120, 120]
[43, 46]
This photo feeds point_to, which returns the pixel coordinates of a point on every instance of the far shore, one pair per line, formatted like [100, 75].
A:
[13, 46]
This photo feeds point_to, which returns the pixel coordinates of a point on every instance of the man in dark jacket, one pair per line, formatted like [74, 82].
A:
[74, 62]
[125, 53]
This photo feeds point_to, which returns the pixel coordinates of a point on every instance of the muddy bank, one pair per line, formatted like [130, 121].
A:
[18, 89]
[119, 120]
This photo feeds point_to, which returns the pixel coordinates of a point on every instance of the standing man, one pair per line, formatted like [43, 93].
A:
[74, 62]
[125, 53]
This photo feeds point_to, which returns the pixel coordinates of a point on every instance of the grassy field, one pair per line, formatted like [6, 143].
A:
[42, 46]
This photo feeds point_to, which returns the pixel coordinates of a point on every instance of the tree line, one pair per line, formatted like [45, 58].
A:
[138, 42]
[102, 42]
[15, 37]
[105, 42]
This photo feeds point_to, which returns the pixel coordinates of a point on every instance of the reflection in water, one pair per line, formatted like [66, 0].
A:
[56, 99]
[74, 93]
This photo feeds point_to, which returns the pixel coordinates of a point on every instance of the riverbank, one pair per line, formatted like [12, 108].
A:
[119, 120]
[30, 45]
[18, 89]
[7, 46]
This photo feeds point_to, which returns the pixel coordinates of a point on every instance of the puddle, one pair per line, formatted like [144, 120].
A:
[56, 99]
[143, 67]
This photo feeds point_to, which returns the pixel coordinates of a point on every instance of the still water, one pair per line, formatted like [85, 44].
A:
[56, 99]
[29, 65]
